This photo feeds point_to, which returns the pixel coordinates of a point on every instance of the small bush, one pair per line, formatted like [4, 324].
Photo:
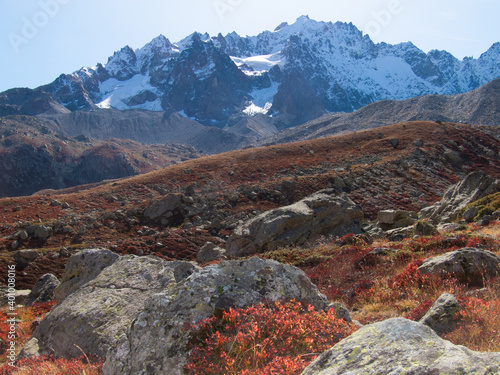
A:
[24, 327]
[279, 338]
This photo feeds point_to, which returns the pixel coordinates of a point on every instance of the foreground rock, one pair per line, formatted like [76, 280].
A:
[469, 264]
[475, 186]
[400, 346]
[322, 213]
[98, 312]
[156, 340]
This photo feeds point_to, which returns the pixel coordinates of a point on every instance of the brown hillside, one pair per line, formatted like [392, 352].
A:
[406, 166]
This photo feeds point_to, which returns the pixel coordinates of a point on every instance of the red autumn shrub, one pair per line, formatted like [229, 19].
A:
[46, 365]
[24, 322]
[420, 311]
[479, 327]
[279, 338]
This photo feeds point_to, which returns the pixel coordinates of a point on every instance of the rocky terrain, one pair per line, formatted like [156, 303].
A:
[33, 157]
[363, 221]
[405, 166]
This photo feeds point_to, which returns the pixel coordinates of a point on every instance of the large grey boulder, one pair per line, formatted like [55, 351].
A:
[323, 213]
[466, 263]
[442, 316]
[99, 312]
[156, 342]
[83, 267]
[43, 290]
[400, 346]
[475, 186]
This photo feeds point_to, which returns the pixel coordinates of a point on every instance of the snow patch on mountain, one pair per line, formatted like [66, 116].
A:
[258, 65]
[117, 94]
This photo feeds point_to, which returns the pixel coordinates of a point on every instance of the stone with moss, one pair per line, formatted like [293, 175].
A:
[98, 312]
[401, 346]
[156, 342]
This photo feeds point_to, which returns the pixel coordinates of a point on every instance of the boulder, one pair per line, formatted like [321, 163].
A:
[96, 314]
[391, 219]
[156, 342]
[24, 257]
[210, 252]
[442, 316]
[399, 234]
[83, 267]
[424, 228]
[42, 232]
[469, 264]
[475, 186]
[43, 290]
[323, 213]
[401, 346]
[169, 210]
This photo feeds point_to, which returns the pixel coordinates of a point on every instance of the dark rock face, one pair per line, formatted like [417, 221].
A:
[471, 108]
[24, 101]
[296, 100]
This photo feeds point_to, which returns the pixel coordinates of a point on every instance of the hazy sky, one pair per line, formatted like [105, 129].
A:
[40, 39]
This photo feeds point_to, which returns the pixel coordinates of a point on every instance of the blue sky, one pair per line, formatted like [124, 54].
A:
[40, 39]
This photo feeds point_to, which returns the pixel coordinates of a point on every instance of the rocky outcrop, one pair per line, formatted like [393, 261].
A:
[469, 264]
[96, 314]
[43, 290]
[475, 186]
[323, 213]
[133, 310]
[400, 346]
[156, 341]
[442, 316]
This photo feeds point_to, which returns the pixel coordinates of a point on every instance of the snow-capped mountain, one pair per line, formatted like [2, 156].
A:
[294, 74]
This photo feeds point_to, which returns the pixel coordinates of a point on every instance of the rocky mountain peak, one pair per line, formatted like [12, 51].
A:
[344, 69]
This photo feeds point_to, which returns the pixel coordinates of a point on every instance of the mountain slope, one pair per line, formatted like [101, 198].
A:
[34, 157]
[478, 107]
[294, 74]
